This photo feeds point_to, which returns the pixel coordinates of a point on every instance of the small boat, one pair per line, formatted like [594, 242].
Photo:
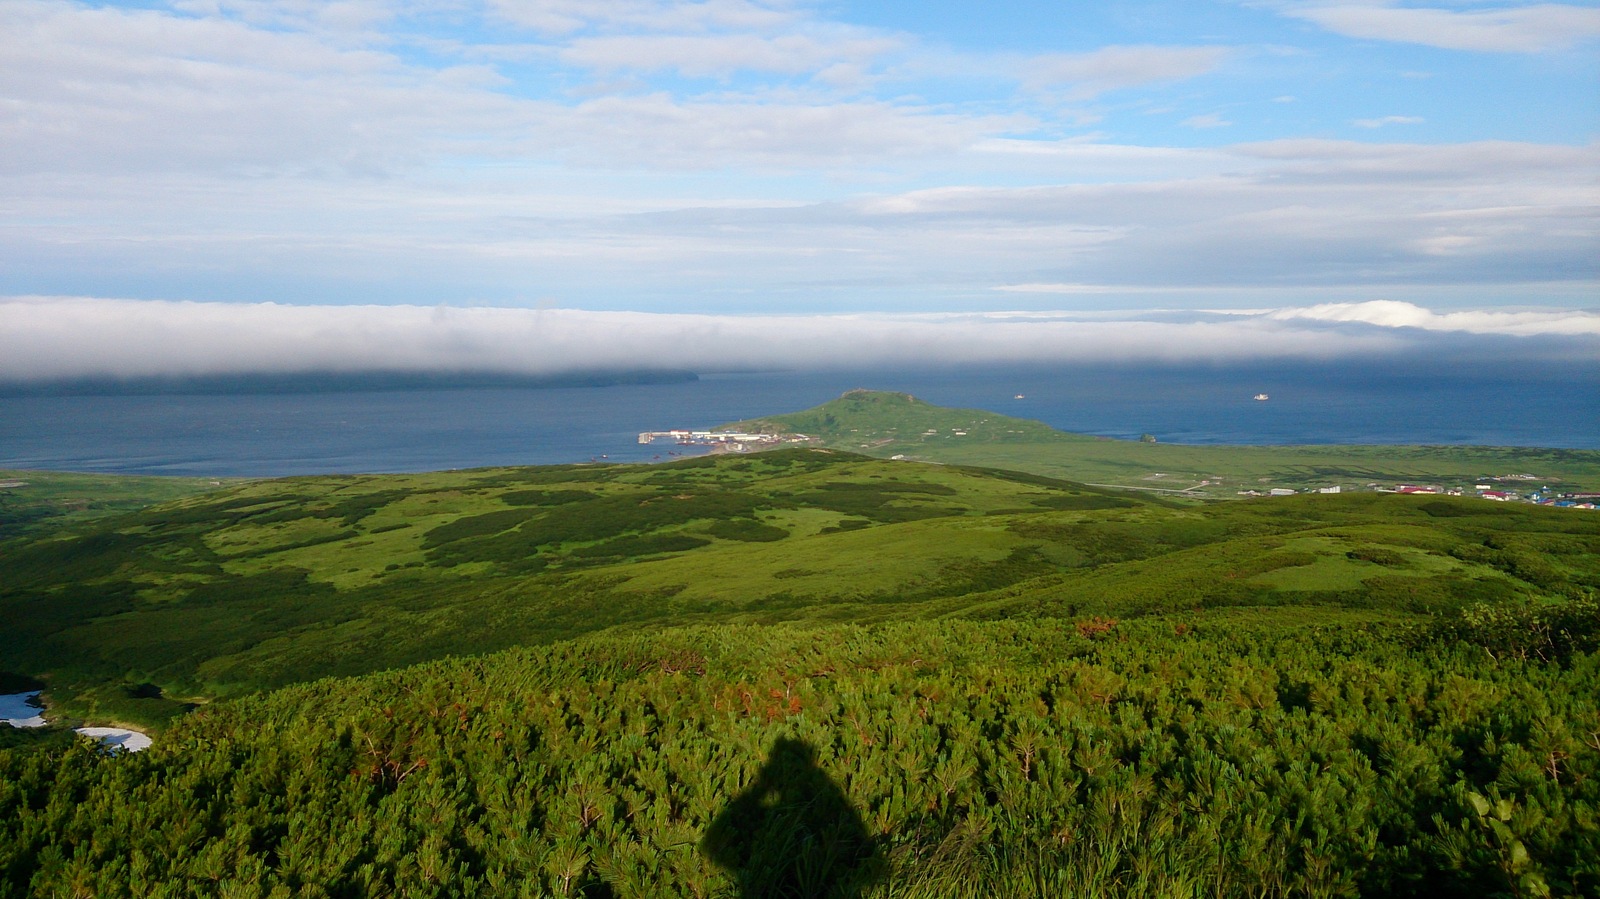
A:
[1261, 396]
[1018, 397]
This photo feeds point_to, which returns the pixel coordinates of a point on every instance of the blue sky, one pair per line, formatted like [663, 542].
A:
[744, 158]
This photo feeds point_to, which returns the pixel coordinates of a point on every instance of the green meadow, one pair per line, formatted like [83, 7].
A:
[811, 672]
[35, 501]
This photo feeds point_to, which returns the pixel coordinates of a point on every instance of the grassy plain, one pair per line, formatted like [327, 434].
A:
[887, 424]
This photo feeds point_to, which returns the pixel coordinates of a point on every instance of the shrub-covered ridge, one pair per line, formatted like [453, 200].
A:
[1223, 754]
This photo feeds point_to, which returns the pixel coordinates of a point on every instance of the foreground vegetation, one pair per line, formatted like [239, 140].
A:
[1216, 754]
[802, 673]
[888, 424]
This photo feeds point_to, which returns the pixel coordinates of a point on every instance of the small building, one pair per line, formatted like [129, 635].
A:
[1333, 489]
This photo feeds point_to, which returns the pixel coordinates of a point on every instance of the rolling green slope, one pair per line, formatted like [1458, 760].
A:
[277, 581]
[34, 501]
[133, 618]
[888, 424]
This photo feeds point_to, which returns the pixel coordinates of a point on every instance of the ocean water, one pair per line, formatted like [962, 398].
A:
[1556, 405]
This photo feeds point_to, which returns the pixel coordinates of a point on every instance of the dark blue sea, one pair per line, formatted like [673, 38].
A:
[270, 434]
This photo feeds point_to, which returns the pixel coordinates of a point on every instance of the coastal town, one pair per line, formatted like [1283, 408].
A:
[1517, 488]
[1510, 488]
[724, 441]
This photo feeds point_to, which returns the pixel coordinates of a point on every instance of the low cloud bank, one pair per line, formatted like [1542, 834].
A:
[1392, 314]
[44, 339]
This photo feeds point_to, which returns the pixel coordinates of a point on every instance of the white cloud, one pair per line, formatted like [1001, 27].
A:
[133, 90]
[1114, 68]
[51, 338]
[566, 16]
[123, 91]
[326, 16]
[1521, 29]
[1071, 289]
[1388, 120]
[1307, 215]
[271, 149]
[724, 54]
[661, 131]
[1208, 120]
[1392, 314]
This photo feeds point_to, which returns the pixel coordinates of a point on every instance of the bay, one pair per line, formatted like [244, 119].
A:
[1553, 405]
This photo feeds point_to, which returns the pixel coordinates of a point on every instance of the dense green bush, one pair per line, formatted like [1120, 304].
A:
[640, 545]
[1227, 757]
[544, 497]
[746, 530]
[476, 526]
[1547, 630]
[1378, 555]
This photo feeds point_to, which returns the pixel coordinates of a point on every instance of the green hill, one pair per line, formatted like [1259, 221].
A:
[895, 424]
[876, 417]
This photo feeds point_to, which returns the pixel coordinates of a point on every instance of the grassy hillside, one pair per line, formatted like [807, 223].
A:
[134, 618]
[886, 424]
[275, 581]
[34, 501]
[805, 673]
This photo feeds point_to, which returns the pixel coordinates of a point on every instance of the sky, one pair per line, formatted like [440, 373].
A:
[202, 186]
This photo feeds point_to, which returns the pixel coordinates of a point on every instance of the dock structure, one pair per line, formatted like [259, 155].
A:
[720, 438]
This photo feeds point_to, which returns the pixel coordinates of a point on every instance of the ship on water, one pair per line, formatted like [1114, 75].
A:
[1261, 397]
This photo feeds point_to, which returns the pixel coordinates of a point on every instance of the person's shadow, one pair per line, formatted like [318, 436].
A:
[793, 834]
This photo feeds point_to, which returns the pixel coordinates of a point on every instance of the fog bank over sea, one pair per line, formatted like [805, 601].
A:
[67, 339]
[422, 429]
